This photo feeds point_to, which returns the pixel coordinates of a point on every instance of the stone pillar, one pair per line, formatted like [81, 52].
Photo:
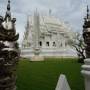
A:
[36, 33]
[86, 73]
[36, 36]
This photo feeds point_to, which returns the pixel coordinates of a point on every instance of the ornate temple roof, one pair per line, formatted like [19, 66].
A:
[50, 23]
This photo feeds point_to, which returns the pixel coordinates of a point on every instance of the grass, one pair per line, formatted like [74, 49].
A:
[44, 75]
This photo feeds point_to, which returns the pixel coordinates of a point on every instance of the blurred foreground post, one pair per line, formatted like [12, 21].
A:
[86, 35]
[9, 51]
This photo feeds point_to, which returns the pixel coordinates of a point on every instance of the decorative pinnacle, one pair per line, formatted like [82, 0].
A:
[8, 6]
[87, 11]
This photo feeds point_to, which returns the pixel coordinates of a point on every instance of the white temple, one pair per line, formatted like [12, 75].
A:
[46, 36]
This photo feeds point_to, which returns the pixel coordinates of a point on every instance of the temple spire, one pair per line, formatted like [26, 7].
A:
[50, 11]
[8, 6]
[8, 13]
[87, 11]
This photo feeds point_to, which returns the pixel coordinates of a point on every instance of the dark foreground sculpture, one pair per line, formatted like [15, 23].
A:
[86, 33]
[86, 67]
[9, 52]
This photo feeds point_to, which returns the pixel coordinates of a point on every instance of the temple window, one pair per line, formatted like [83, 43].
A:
[40, 43]
[47, 43]
[54, 44]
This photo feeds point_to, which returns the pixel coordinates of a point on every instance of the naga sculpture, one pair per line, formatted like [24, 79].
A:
[9, 51]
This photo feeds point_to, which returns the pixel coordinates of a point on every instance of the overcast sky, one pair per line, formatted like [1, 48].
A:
[69, 11]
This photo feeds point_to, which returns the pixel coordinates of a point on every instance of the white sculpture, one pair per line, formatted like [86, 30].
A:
[62, 83]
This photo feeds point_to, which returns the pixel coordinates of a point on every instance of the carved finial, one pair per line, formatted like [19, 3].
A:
[8, 13]
[87, 11]
[50, 12]
[8, 6]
